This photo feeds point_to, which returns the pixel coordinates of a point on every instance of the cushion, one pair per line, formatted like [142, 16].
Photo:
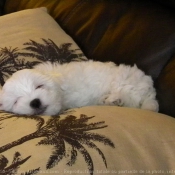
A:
[32, 36]
[89, 140]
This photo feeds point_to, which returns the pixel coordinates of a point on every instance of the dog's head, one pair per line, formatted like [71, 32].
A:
[30, 92]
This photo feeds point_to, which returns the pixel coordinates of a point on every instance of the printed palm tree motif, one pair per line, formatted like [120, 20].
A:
[12, 60]
[75, 132]
[15, 165]
[9, 63]
[49, 51]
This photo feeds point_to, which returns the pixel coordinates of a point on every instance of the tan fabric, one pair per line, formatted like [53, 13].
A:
[32, 36]
[132, 141]
[36, 23]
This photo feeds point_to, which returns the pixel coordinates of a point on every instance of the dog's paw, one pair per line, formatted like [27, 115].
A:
[112, 100]
[118, 102]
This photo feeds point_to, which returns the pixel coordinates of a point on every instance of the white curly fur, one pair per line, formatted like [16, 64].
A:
[58, 87]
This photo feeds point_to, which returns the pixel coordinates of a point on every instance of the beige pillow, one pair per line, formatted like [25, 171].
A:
[90, 140]
[32, 36]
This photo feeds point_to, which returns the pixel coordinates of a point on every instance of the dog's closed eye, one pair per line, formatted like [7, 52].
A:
[16, 101]
[40, 86]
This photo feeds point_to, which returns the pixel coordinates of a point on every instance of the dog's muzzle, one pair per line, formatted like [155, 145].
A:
[37, 106]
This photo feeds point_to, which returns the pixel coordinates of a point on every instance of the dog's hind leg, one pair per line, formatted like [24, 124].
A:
[150, 104]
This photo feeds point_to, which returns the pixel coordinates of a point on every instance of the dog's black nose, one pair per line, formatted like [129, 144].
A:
[36, 103]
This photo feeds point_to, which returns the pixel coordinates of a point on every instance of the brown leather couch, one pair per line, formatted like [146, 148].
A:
[123, 31]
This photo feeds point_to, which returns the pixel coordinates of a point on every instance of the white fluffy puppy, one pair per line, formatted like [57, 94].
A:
[50, 88]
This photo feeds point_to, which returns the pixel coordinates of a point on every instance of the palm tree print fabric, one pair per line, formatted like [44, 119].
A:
[69, 137]
[14, 59]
